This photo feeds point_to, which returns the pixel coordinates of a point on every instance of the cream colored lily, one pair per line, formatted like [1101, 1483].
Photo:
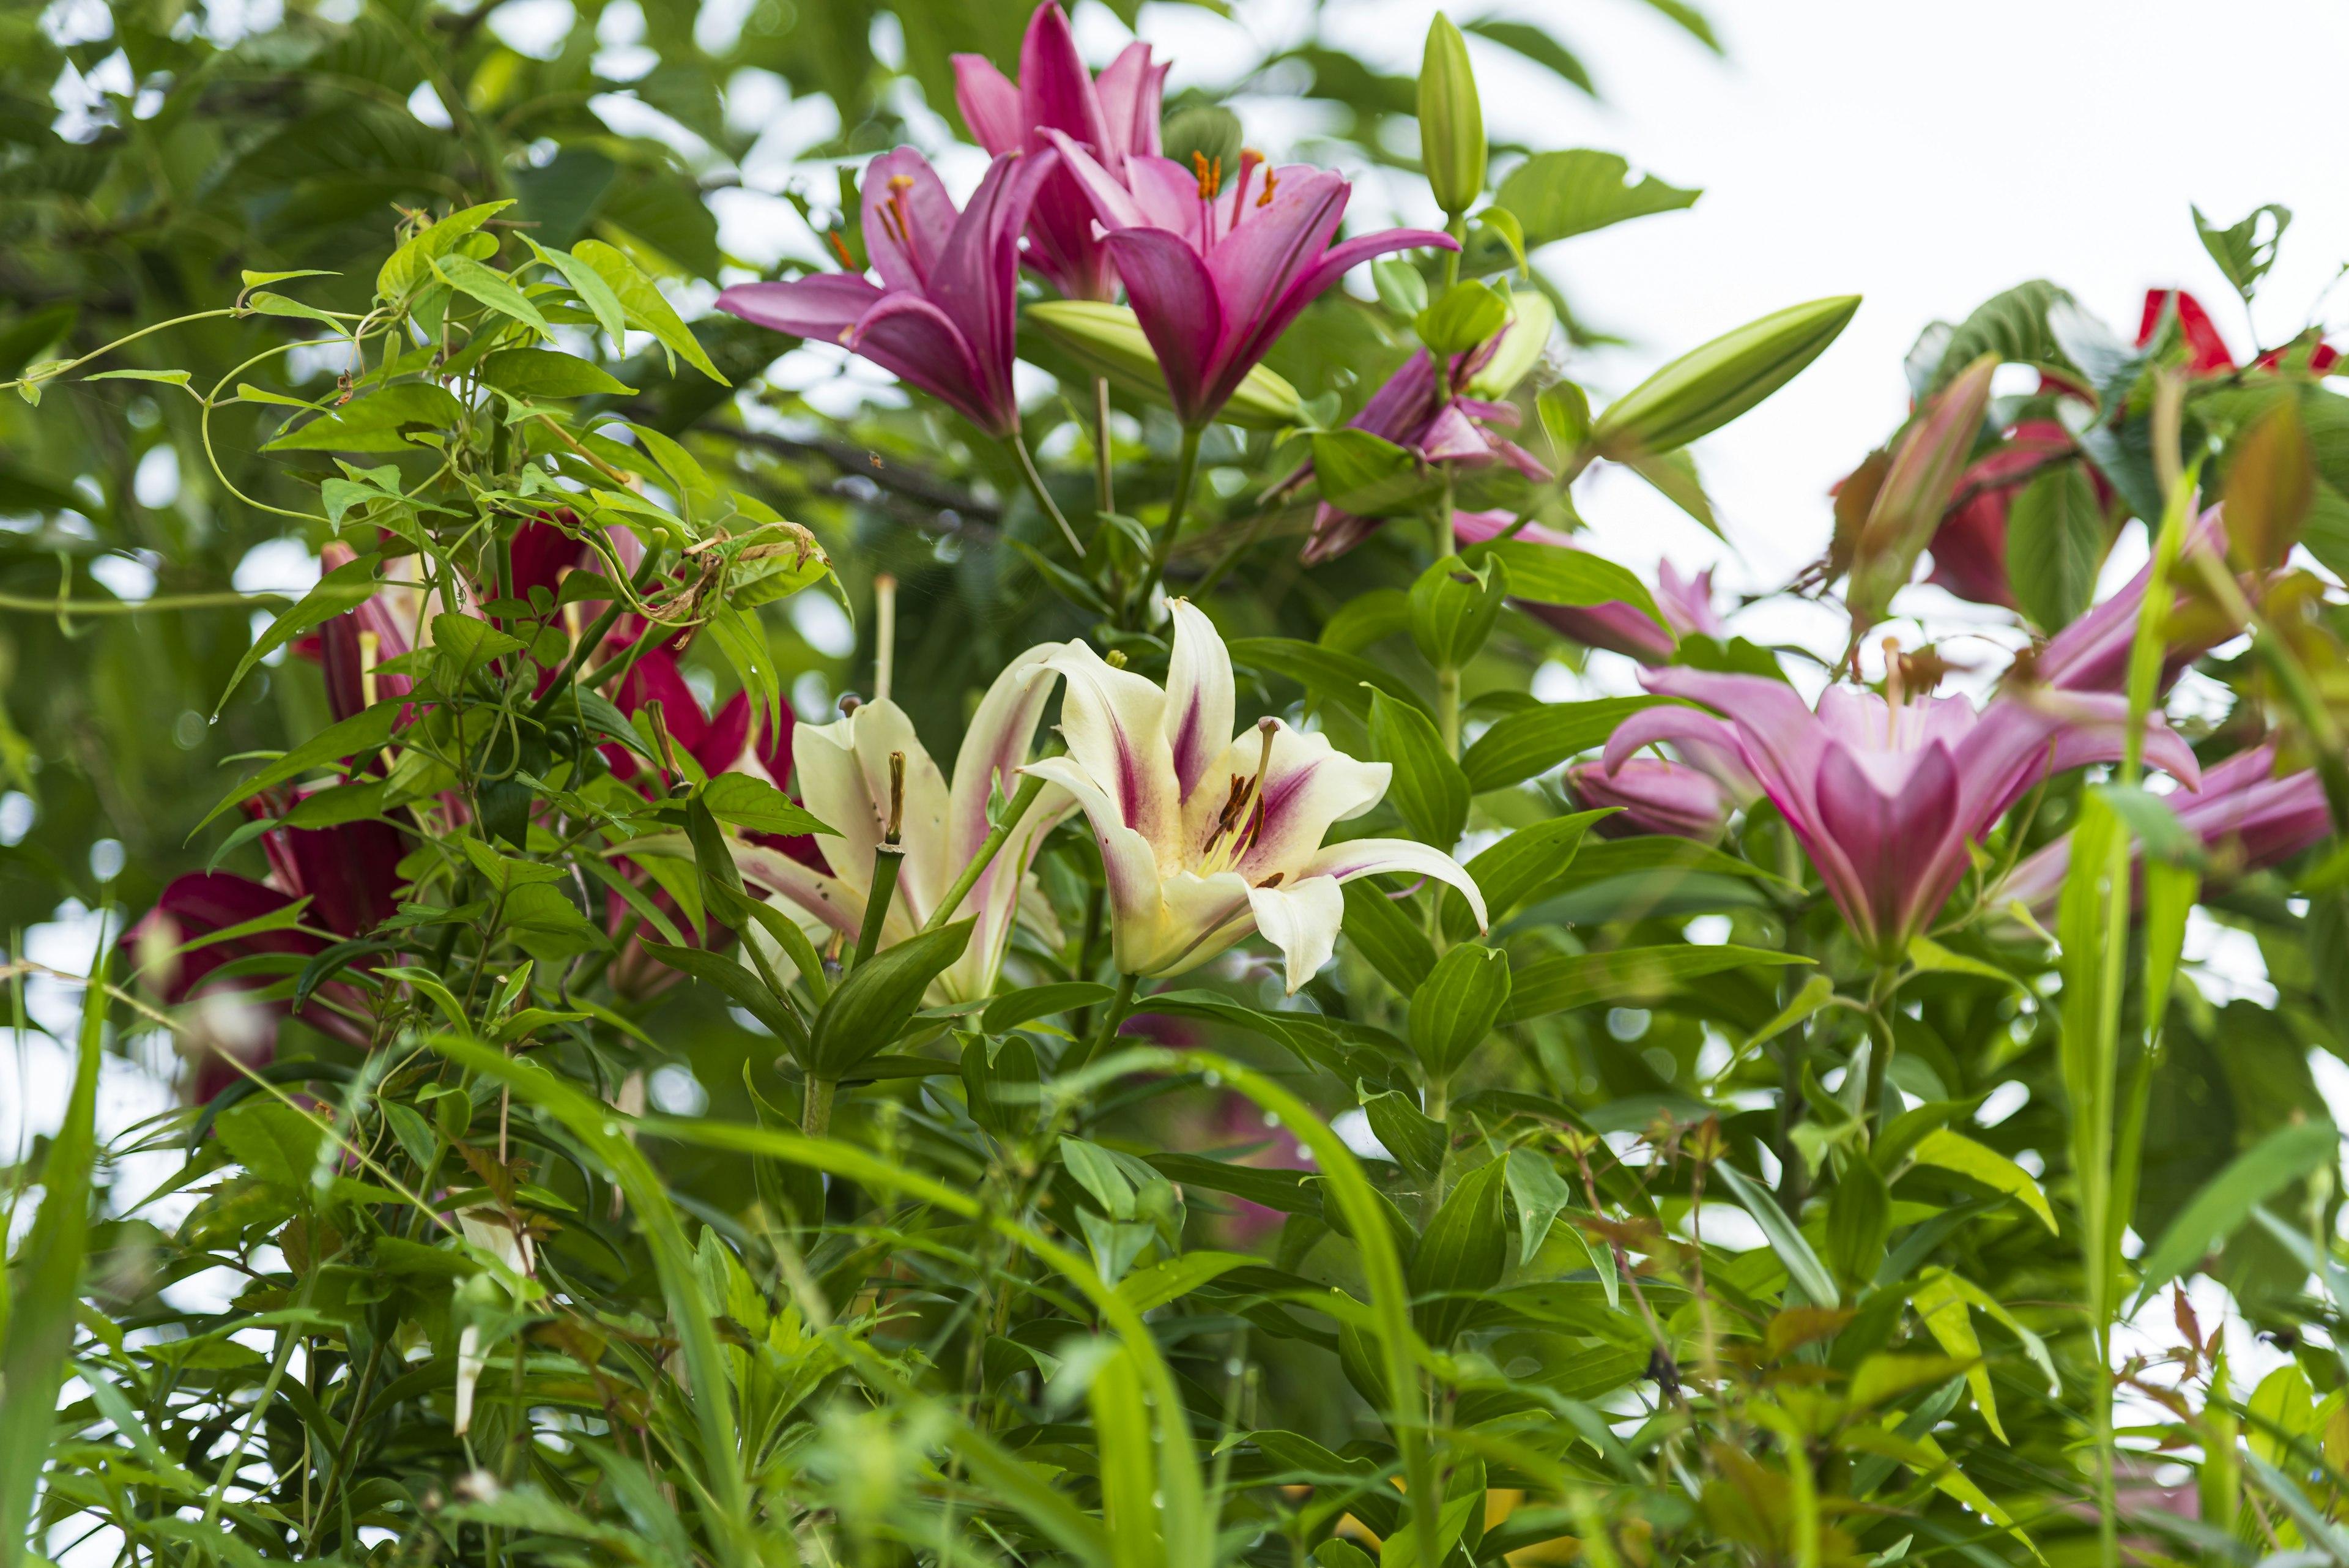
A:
[1207, 836]
[843, 778]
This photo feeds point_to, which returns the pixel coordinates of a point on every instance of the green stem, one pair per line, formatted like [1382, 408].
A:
[53, 372]
[1120, 1006]
[815, 1108]
[886, 861]
[988, 847]
[1186, 466]
[1447, 708]
[1019, 446]
[1879, 1053]
[1102, 465]
[1458, 229]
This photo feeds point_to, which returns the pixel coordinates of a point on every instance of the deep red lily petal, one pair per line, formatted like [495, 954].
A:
[2207, 349]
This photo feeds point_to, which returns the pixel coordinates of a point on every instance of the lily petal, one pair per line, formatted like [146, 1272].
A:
[829, 901]
[1129, 861]
[844, 771]
[1174, 297]
[1302, 922]
[822, 306]
[990, 104]
[907, 217]
[918, 343]
[1115, 724]
[1903, 848]
[1199, 697]
[1370, 857]
[1309, 785]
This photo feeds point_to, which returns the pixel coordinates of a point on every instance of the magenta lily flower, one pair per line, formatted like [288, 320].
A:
[1115, 114]
[1216, 269]
[944, 315]
[2247, 818]
[1436, 423]
[1653, 796]
[1886, 799]
[1616, 627]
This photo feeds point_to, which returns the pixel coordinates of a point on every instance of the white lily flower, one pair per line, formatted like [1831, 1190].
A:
[843, 778]
[1207, 836]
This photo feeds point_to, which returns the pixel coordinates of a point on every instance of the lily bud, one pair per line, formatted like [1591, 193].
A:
[1705, 389]
[1107, 340]
[1451, 120]
[1916, 490]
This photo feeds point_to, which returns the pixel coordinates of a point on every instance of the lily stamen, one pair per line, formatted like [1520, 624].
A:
[1270, 180]
[895, 830]
[1249, 159]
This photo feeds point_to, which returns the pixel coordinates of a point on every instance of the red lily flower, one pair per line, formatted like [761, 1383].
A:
[1216, 274]
[1116, 114]
[2208, 350]
[944, 315]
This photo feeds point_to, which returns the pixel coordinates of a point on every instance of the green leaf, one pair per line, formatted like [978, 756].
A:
[1454, 1008]
[1396, 946]
[268, 304]
[1521, 745]
[741, 987]
[758, 805]
[491, 288]
[2054, 542]
[1542, 1195]
[1173, 1278]
[646, 305]
[411, 264]
[1555, 985]
[1509, 872]
[360, 735]
[1286, 1191]
[1710, 386]
[346, 588]
[1326, 673]
[1008, 1011]
[169, 378]
[1401, 287]
[2241, 251]
[1803, 1270]
[373, 423]
[867, 1010]
[2012, 325]
[1860, 1218]
[544, 373]
[465, 645]
[2284, 1156]
[1367, 618]
[1464, 1251]
[1557, 195]
[1468, 313]
[1368, 475]
[38, 1333]
[1418, 1141]
[1452, 606]
[1428, 786]
[1554, 575]
[257, 279]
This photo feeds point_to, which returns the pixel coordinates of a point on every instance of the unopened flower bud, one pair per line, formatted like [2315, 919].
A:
[1451, 120]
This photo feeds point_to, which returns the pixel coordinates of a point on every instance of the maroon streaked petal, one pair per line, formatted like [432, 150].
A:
[1901, 850]
[1174, 299]
[915, 341]
[1199, 697]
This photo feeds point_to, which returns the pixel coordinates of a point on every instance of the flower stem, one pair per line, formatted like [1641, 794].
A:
[1186, 466]
[1029, 788]
[887, 860]
[815, 1108]
[1111, 1021]
[1101, 463]
[1019, 446]
[1879, 1053]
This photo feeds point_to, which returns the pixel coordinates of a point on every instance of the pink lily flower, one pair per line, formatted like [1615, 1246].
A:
[1886, 799]
[1435, 423]
[1655, 797]
[1620, 628]
[2247, 818]
[944, 315]
[1115, 114]
[1216, 275]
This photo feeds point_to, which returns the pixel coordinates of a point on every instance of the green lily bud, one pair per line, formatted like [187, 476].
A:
[1108, 341]
[1531, 318]
[1451, 120]
[1915, 491]
[1705, 389]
